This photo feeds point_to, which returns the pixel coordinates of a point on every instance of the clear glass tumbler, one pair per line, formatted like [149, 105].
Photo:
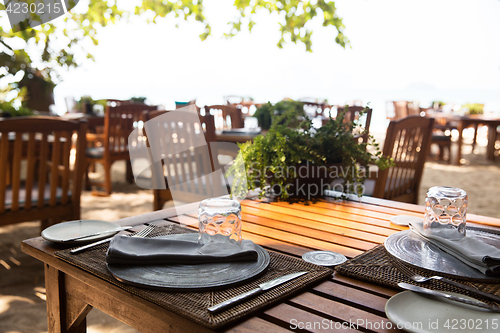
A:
[219, 225]
[445, 212]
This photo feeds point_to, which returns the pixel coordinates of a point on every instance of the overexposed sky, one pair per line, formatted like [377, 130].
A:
[400, 49]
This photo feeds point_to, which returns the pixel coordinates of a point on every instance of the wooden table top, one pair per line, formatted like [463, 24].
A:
[475, 118]
[347, 227]
[236, 138]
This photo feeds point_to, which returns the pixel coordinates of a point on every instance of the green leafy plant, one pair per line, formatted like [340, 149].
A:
[7, 108]
[270, 160]
[266, 112]
[438, 104]
[12, 106]
[473, 108]
[264, 115]
[86, 103]
[138, 100]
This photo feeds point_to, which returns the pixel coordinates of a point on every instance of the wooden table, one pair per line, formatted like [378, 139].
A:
[466, 121]
[349, 228]
[492, 124]
[236, 138]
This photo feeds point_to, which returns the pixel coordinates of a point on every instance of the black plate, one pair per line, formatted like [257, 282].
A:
[191, 277]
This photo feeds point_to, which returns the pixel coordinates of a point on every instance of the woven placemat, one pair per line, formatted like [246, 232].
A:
[193, 305]
[376, 265]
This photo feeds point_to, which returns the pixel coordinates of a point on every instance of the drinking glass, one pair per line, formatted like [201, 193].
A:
[445, 212]
[219, 225]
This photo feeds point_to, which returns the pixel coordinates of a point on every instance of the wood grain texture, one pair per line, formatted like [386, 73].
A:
[407, 142]
[42, 147]
[118, 124]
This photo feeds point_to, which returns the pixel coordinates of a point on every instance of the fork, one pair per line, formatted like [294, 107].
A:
[422, 279]
[143, 233]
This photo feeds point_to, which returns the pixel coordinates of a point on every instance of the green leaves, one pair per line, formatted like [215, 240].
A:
[60, 45]
[294, 17]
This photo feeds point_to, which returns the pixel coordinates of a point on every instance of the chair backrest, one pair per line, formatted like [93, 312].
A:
[315, 109]
[95, 123]
[407, 142]
[234, 99]
[187, 161]
[403, 109]
[119, 122]
[226, 113]
[35, 165]
[352, 113]
[207, 123]
[414, 108]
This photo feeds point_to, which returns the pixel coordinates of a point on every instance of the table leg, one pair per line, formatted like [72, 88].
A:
[460, 129]
[492, 137]
[65, 314]
[474, 139]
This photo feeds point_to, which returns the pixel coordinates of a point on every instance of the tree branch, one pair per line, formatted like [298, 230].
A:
[6, 45]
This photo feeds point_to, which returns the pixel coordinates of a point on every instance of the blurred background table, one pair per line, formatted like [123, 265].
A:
[463, 122]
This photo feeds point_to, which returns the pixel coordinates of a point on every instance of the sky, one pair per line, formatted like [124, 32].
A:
[415, 50]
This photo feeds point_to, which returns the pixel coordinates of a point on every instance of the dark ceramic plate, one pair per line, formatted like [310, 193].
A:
[191, 277]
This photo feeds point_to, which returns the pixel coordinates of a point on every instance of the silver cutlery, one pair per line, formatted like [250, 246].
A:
[421, 279]
[143, 233]
[448, 296]
[95, 234]
[254, 292]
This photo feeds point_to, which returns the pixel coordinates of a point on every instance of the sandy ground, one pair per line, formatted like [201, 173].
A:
[22, 293]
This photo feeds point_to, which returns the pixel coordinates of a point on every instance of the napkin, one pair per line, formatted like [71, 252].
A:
[173, 249]
[469, 250]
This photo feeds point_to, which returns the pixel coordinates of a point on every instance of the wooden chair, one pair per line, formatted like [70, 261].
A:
[119, 122]
[352, 113]
[496, 146]
[400, 110]
[191, 165]
[314, 109]
[229, 113]
[407, 142]
[441, 139]
[37, 178]
[403, 109]
[95, 131]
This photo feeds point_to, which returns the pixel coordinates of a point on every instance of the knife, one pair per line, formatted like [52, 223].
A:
[95, 234]
[84, 247]
[448, 296]
[254, 292]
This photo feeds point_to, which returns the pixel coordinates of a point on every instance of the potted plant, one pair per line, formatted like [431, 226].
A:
[290, 157]
[473, 108]
[86, 104]
[266, 112]
[138, 100]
